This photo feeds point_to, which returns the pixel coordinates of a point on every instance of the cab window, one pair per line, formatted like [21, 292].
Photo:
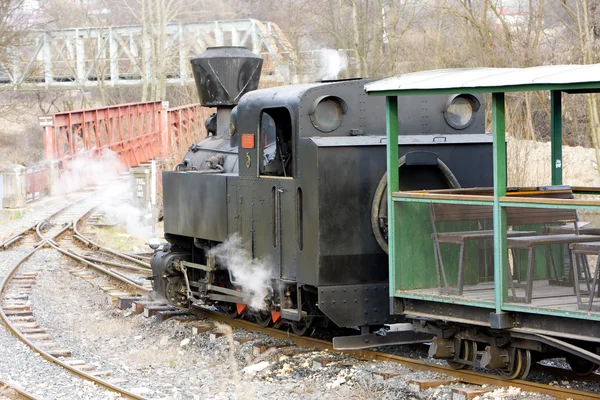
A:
[276, 145]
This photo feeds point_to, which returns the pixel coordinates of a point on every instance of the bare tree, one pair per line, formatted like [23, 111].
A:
[583, 22]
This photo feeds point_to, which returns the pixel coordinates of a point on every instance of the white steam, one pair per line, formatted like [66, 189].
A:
[115, 191]
[251, 274]
[332, 63]
[86, 170]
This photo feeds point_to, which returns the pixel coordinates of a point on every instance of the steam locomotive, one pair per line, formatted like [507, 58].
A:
[288, 188]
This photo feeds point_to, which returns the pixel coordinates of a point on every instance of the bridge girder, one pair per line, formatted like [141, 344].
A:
[84, 58]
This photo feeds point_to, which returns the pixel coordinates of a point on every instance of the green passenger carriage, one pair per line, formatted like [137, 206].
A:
[501, 276]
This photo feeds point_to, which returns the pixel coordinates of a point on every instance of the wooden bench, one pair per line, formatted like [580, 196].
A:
[516, 240]
[584, 249]
[441, 212]
[543, 216]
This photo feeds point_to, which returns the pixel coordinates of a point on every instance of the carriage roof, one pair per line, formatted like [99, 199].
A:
[568, 78]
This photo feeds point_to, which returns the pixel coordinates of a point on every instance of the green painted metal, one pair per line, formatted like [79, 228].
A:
[443, 201]
[415, 256]
[411, 247]
[556, 136]
[391, 119]
[578, 314]
[446, 299]
[500, 251]
[575, 87]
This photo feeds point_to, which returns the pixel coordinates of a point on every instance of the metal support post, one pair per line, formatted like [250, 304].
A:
[391, 119]
[556, 136]
[500, 251]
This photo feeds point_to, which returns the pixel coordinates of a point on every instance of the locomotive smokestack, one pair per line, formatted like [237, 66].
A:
[223, 75]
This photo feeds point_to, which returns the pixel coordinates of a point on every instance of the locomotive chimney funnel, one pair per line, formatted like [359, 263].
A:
[224, 74]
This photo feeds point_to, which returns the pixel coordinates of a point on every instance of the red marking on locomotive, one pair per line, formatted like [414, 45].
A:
[247, 141]
[240, 308]
[275, 316]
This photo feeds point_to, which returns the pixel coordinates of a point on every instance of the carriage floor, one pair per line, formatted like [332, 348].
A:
[545, 295]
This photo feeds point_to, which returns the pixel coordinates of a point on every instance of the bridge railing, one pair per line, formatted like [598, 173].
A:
[184, 126]
[137, 132]
[132, 131]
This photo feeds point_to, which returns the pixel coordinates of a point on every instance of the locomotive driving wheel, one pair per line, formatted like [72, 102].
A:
[468, 352]
[229, 309]
[303, 327]
[175, 291]
[263, 318]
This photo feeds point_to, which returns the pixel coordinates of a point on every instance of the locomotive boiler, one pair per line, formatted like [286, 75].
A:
[280, 212]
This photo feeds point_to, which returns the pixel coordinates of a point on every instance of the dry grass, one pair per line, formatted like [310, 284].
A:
[117, 238]
[242, 390]
[529, 164]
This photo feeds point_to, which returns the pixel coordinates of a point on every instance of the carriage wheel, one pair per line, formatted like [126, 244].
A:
[468, 351]
[514, 368]
[526, 367]
[581, 366]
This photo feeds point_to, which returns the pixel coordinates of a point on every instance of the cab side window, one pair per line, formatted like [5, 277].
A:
[276, 144]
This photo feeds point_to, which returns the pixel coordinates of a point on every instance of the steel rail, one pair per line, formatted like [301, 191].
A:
[90, 242]
[115, 264]
[49, 218]
[120, 277]
[20, 394]
[47, 356]
[466, 376]
[17, 236]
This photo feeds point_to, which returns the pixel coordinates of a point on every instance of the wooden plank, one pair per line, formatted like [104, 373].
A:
[439, 196]
[417, 385]
[573, 202]
[468, 393]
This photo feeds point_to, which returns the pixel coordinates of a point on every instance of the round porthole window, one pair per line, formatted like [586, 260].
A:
[460, 111]
[327, 115]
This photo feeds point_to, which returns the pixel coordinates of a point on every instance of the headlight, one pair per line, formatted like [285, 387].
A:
[460, 110]
[327, 112]
[154, 243]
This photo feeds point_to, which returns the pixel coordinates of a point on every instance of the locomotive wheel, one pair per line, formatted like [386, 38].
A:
[230, 310]
[175, 292]
[263, 318]
[303, 327]
[581, 366]
[514, 369]
[468, 351]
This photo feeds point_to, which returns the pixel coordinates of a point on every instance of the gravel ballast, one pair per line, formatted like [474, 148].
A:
[165, 361]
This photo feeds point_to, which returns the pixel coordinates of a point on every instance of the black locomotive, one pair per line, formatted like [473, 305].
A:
[281, 213]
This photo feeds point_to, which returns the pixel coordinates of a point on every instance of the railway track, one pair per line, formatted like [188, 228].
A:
[63, 232]
[465, 376]
[14, 393]
[15, 312]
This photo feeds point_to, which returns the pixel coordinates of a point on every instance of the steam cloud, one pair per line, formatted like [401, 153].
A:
[250, 273]
[115, 200]
[333, 62]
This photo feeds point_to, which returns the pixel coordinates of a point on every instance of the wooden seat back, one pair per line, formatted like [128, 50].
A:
[515, 215]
